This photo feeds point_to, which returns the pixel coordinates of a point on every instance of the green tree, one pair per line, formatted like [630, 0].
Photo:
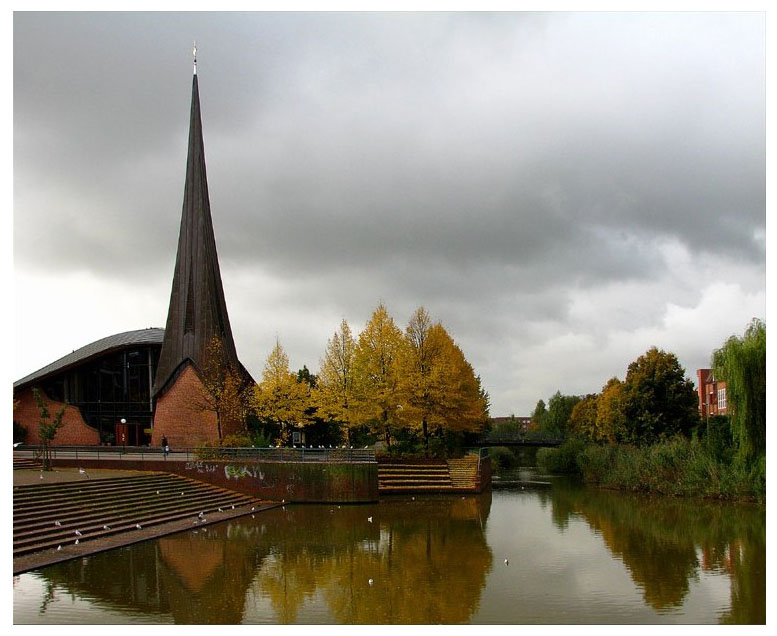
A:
[559, 411]
[658, 400]
[741, 364]
[47, 428]
[540, 414]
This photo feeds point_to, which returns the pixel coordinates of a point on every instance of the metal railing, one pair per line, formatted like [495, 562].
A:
[203, 453]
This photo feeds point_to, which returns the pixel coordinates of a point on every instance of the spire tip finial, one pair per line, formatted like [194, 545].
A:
[194, 55]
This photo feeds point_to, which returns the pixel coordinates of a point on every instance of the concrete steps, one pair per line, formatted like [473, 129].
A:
[455, 475]
[51, 515]
[25, 463]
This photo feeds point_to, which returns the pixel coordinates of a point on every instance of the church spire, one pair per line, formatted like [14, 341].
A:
[198, 310]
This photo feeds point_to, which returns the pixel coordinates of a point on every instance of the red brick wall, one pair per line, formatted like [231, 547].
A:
[179, 415]
[74, 432]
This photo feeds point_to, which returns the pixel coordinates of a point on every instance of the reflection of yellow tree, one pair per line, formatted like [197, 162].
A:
[427, 565]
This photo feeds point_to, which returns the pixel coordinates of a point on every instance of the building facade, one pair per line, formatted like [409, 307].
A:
[138, 387]
[712, 394]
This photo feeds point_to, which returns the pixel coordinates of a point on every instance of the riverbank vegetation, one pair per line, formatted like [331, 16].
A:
[645, 433]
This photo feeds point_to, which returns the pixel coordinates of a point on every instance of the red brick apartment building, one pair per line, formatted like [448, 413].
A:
[712, 394]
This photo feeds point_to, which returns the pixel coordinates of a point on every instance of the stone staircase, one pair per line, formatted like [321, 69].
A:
[51, 515]
[455, 475]
[26, 463]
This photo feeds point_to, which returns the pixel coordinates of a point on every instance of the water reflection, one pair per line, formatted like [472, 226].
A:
[666, 543]
[578, 555]
[366, 571]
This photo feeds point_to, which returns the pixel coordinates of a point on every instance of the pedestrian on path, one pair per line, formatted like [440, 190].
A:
[165, 447]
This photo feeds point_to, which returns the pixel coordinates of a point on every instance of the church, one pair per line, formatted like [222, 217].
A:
[136, 387]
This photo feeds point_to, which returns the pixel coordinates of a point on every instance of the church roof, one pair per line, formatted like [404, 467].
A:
[117, 342]
[198, 310]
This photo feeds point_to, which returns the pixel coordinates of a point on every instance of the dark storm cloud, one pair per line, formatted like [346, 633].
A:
[488, 166]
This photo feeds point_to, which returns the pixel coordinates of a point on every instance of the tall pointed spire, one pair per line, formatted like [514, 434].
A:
[198, 310]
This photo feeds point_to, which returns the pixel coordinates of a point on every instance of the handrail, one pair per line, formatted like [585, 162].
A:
[205, 453]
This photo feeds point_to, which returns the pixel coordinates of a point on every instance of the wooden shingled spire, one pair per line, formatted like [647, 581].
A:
[198, 311]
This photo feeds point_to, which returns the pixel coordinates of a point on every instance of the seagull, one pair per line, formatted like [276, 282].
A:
[59, 547]
[201, 515]
[253, 516]
[507, 562]
[157, 492]
[106, 528]
[181, 494]
[138, 526]
[233, 506]
[78, 534]
[76, 543]
[369, 519]
[220, 510]
[18, 444]
[252, 508]
[41, 474]
[57, 523]
[83, 472]
[370, 581]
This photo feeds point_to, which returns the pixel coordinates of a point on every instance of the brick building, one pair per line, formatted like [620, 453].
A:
[139, 386]
[711, 392]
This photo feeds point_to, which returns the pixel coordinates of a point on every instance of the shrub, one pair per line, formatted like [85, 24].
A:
[562, 459]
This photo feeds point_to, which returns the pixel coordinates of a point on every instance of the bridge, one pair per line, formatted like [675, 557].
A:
[516, 438]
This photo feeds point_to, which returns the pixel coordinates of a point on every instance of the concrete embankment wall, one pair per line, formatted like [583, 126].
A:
[312, 482]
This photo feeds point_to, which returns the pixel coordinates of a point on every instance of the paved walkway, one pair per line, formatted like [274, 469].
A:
[24, 477]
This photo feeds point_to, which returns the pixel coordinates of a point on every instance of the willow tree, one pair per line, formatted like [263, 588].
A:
[335, 393]
[741, 364]
[281, 398]
[376, 374]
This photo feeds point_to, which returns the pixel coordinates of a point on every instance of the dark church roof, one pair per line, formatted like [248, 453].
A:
[198, 311]
[96, 349]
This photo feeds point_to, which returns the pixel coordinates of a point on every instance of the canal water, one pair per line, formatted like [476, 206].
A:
[526, 553]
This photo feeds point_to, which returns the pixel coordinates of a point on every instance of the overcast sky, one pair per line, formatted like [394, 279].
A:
[562, 191]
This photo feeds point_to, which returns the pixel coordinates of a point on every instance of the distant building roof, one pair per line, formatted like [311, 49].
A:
[99, 347]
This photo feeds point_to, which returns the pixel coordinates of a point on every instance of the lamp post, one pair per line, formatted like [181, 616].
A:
[123, 436]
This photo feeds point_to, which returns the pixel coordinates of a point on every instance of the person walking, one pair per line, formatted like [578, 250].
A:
[165, 447]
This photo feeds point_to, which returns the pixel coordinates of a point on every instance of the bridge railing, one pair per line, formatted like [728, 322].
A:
[520, 437]
[142, 453]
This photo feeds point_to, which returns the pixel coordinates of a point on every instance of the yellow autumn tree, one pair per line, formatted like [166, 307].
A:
[334, 397]
[438, 387]
[280, 398]
[375, 374]
[610, 417]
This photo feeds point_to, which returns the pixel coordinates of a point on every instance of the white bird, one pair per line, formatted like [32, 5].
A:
[507, 562]
[106, 528]
[370, 582]
[157, 492]
[41, 475]
[252, 508]
[76, 542]
[201, 515]
[181, 494]
[138, 526]
[57, 523]
[369, 519]
[59, 547]
[253, 516]
[78, 534]
[233, 506]
[18, 444]
[220, 510]
[83, 472]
